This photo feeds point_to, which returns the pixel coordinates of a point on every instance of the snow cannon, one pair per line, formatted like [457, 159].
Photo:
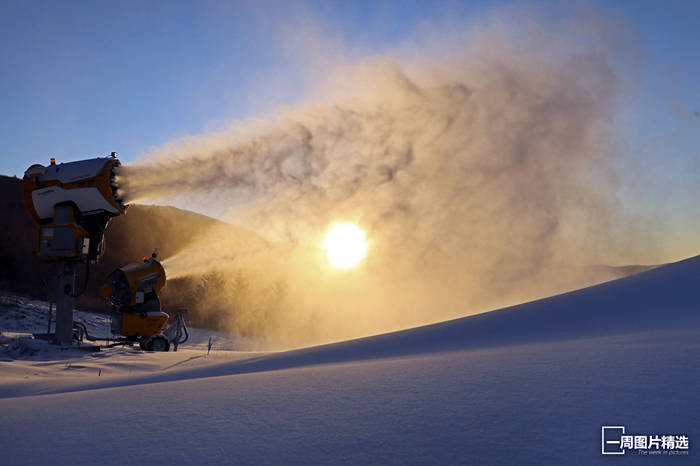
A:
[71, 204]
[132, 291]
[132, 284]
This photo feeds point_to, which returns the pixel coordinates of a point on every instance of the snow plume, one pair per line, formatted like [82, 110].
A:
[481, 171]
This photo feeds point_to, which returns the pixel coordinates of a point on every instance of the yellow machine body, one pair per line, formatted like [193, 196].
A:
[86, 187]
[142, 277]
[137, 325]
[133, 290]
[88, 184]
[62, 237]
[128, 285]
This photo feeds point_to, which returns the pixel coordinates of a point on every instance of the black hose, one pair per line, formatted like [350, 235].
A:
[87, 279]
[187, 335]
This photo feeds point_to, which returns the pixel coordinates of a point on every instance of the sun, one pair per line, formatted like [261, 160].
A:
[345, 245]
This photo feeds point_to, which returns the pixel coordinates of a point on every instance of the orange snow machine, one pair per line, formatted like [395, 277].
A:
[132, 291]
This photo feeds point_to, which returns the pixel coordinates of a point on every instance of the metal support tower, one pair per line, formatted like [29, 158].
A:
[65, 289]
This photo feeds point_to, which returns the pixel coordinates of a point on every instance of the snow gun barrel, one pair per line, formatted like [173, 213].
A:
[71, 204]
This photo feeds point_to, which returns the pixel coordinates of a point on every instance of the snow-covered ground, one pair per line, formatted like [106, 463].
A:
[531, 384]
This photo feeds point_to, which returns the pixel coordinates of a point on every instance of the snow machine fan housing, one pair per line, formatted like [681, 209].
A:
[71, 204]
[130, 284]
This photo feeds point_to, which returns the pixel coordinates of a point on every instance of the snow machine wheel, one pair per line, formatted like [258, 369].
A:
[158, 343]
[142, 344]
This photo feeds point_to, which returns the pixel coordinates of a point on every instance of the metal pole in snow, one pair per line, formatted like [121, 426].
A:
[65, 284]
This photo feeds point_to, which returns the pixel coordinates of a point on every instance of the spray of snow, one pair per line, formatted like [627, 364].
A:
[477, 169]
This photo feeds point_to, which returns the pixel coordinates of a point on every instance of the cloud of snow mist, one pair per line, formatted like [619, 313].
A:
[482, 172]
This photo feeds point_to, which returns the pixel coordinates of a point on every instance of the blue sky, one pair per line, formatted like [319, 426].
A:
[83, 78]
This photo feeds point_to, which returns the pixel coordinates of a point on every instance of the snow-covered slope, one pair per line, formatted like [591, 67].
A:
[531, 384]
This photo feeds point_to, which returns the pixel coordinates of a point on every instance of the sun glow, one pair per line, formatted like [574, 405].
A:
[345, 245]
